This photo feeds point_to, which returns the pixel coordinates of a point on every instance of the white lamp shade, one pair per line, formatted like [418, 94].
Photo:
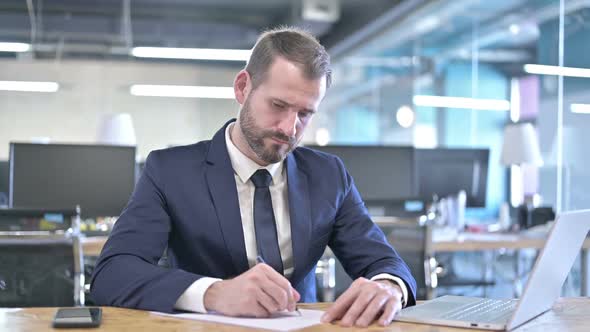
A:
[116, 129]
[521, 145]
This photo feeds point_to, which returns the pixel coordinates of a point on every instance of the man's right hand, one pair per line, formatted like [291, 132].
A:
[258, 292]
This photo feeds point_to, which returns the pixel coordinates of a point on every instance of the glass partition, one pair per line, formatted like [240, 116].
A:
[455, 75]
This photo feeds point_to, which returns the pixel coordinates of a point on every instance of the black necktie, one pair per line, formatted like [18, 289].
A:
[264, 221]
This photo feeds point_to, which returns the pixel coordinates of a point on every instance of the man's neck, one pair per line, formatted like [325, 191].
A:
[237, 137]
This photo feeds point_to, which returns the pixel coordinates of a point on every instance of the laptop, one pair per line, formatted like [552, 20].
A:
[551, 268]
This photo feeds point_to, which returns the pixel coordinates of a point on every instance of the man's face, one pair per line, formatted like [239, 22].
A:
[275, 114]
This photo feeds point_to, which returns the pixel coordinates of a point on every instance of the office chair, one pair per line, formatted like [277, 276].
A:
[452, 282]
[434, 274]
[40, 271]
[413, 243]
[39, 268]
[3, 199]
[4, 183]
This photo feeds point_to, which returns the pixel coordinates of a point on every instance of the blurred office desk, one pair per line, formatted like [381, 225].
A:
[568, 314]
[462, 242]
[455, 242]
[451, 242]
[490, 241]
[459, 242]
[519, 241]
[92, 245]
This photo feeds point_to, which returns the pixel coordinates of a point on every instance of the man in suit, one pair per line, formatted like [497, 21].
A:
[246, 216]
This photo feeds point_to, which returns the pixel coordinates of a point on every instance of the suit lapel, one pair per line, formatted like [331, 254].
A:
[300, 215]
[222, 187]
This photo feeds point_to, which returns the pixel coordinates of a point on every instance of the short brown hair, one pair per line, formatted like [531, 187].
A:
[295, 45]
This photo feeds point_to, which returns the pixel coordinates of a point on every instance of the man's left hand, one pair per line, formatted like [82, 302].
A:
[366, 301]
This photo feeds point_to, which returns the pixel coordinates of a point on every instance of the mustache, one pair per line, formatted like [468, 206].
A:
[280, 136]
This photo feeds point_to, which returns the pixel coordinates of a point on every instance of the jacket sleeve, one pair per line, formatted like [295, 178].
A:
[360, 245]
[126, 273]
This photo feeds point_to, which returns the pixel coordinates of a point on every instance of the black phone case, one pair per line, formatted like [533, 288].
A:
[95, 314]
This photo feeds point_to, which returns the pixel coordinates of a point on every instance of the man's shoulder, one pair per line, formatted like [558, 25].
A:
[325, 171]
[181, 153]
[312, 159]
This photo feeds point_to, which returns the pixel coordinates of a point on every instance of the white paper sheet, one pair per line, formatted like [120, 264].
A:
[280, 322]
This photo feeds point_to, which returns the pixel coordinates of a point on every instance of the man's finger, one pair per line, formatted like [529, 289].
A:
[277, 294]
[283, 283]
[372, 310]
[392, 307]
[360, 303]
[338, 309]
[267, 302]
[259, 311]
[296, 295]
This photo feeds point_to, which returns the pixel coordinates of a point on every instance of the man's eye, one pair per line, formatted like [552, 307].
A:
[277, 105]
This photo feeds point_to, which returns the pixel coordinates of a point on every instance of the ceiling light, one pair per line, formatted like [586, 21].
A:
[427, 24]
[191, 53]
[557, 70]
[580, 108]
[405, 116]
[322, 136]
[459, 102]
[514, 29]
[182, 91]
[29, 86]
[14, 47]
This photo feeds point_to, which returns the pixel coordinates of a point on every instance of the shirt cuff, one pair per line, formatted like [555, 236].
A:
[193, 297]
[397, 280]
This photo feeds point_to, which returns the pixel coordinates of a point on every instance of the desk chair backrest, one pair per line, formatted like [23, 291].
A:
[3, 183]
[40, 267]
[413, 242]
[37, 272]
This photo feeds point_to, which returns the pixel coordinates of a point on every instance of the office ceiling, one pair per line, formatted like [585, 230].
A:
[505, 33]
[108, 28]
[440, 29]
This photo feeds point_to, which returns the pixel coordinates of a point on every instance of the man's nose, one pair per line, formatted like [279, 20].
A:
[289, 124]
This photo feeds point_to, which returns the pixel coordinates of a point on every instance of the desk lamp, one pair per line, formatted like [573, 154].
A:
[520, 148]
[116, 129]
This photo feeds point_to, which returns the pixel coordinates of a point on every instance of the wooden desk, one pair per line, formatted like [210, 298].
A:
[91, 246]
[492, 241]
[463, 242]
[477, 241]
[568, 314]
[480, 242]
[474, 242]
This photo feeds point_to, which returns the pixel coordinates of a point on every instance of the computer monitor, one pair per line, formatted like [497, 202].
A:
[99, 178]
[381, 173]
[445, 172]
[3, 183]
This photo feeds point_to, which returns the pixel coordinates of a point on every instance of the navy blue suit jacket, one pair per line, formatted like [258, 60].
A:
[186, 200]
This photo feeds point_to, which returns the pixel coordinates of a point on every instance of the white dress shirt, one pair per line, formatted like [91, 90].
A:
[192, 299]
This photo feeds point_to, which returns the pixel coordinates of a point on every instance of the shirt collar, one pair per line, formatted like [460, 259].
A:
[245, 167]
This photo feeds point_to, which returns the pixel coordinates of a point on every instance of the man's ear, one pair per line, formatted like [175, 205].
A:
[242, 86]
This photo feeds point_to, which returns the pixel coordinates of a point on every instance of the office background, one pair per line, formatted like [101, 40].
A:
[504, 62]
[384, 55]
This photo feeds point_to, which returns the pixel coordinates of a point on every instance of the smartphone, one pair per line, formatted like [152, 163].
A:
[77, 317]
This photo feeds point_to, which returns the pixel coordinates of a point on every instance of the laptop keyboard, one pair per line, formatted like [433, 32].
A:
[486, 310]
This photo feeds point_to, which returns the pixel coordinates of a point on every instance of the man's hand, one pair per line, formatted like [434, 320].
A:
[365, 301]
[258, 292]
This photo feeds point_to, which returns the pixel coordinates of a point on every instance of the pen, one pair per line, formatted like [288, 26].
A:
[259, 259]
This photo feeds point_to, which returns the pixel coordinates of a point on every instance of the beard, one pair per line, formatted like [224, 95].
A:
[255, 138]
